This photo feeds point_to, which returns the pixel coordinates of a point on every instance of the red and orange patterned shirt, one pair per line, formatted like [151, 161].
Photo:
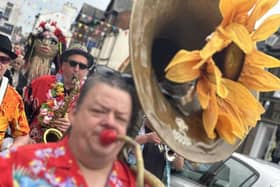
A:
[36, 94]
[12, 114]
[52, 165]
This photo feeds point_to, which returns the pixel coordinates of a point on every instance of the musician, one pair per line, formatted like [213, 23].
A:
[155, 159]
[49, 91]
[44, 47]
[80, 159]
[11, 105]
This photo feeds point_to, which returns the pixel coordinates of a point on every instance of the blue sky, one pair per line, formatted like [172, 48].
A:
[32, 7]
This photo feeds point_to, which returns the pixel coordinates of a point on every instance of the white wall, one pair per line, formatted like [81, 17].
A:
[264, 138]
[115, 50]
[64, 19]
[16, 11]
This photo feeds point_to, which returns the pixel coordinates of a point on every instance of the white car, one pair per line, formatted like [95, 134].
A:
[237, 171]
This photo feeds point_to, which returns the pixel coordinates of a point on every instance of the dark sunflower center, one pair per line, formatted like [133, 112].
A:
[230, 61]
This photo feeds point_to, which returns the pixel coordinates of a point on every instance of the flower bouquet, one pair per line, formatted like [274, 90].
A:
[55, 100]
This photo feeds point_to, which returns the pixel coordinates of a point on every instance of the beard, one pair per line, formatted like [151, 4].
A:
[40, 62]
[38, 67]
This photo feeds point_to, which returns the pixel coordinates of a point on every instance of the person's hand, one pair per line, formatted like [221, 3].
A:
[20, 141]
[61, 124]
[31, 141]
[152, 137]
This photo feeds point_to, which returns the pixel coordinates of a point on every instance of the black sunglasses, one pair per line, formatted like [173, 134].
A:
[5, 60]
[47, 39]
[74, 63]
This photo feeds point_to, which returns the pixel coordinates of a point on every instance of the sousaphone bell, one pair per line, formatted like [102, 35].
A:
[158, 29]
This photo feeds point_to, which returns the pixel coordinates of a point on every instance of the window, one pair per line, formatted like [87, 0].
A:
[234, 173]
[8, 10]
[271, 41]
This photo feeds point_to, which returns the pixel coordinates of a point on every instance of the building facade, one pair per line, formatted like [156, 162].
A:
[10, 13]
[263, 137]
[63, 19]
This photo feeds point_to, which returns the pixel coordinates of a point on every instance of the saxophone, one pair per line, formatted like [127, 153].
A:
[53, 134]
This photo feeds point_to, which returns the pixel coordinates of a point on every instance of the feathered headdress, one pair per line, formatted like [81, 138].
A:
[52, 27]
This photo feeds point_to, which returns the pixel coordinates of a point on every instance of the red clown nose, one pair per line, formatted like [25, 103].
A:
[108, 136]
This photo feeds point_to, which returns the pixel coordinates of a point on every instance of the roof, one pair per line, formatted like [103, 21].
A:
[119, 5]
[88, 13]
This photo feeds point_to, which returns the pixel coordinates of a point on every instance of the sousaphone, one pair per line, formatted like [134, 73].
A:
[158, 29]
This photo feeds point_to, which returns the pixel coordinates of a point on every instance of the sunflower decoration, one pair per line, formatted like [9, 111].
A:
[229, 68]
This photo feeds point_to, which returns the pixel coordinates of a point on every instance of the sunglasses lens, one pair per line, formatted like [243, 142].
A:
[74, 64]
[53, 41]
[82, 66]
[4, 60]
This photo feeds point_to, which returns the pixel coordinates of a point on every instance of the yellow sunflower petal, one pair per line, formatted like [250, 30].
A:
[183, 56]
[224, 129]
[214, 75]
[243, 5]
[267, 28]
[210, 116]
[244, 103]
[258, 79]
[227, 11]
[203, 92]
[262, 60]
[234, 9]
[240, 36]
[241, 18]
[182, 72]
[222, 90]
[242, 9]
[261, 8]
[232, 112]
[216, 42]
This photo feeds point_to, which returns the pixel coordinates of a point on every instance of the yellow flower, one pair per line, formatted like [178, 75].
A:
[224, 87]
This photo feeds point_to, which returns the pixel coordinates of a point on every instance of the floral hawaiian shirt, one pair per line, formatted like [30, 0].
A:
[12, 114]
[52, 165]
[34, 95]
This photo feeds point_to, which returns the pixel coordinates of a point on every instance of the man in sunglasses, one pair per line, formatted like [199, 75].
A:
[48, 97]
[12, 112]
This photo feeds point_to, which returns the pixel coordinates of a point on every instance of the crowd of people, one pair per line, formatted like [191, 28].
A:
[66, 121]
[77, 98]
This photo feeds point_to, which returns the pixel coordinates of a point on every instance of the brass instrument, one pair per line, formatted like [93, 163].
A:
[169, 154]
[158, 29]
[61, 112]
[53, 134]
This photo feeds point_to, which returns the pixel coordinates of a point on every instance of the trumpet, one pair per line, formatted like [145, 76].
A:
[169, 154]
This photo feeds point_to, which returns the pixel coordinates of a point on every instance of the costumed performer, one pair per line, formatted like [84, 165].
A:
[44, 46]
[12, 112]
